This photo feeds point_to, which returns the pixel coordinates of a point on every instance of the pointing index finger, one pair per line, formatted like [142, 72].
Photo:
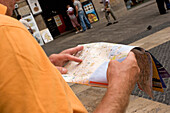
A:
[72, 51]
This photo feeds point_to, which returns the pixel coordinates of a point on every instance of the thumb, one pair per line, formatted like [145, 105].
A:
[130, 58]
[62, 69]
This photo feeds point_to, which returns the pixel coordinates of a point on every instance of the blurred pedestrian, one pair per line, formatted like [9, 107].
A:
[161, 7]
[73, 18]
[129, 4]
[81, 15]
[108, 10]
[167, 4]
[27, 25]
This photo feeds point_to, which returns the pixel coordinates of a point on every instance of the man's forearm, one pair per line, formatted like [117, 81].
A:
[115, 100]
[122, 78]
[76, 10]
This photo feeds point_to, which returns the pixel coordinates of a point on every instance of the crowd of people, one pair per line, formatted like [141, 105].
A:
[79, 14]
[83, 19]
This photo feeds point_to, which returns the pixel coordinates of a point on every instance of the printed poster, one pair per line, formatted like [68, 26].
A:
[35, 6]
[24, 10]
[90, 12]
[46, 35]
[57, 20]
[34, 27]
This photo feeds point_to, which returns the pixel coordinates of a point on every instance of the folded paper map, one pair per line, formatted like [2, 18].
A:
[96, 57]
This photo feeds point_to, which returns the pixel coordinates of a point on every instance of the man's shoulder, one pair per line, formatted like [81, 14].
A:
[9, 21]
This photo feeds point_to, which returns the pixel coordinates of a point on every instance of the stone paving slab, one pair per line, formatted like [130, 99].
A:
[163, 58]
[153, 40]
[141, 105]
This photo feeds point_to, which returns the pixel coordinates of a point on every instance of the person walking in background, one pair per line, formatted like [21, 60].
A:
[27, 25]
[108, 10]
[70, 12]
[81, 15]
[129, 4]
[161, 7]
[167, 4]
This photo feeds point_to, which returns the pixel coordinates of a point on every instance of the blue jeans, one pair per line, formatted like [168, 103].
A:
[83, 20]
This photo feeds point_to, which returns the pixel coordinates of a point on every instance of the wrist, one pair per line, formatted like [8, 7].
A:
[117, 100]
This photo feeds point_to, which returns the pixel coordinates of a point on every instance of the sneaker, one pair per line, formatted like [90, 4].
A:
[84, 30]
[81, 30]
[115, 22]
[109, 24]
[163, 13]
[90, 27]
[77, 32]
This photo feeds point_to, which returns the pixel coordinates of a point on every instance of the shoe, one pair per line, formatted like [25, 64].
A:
[77, 32]
[90, 27]
[109, 24]
[161, 13]
[115, 22]
[81, 30]
[84, 30]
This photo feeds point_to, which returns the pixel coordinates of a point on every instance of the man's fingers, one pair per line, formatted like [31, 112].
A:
[62, 70]
[72, 58]
[72, 51]
[130, 58]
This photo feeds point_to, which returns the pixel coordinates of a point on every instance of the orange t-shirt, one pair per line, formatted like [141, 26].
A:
[29, 83]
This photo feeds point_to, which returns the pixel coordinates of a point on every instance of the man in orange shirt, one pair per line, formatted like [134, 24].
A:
[30, 83]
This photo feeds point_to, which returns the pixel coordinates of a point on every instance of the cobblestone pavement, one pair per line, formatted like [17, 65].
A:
[164, 60]
[130, 28]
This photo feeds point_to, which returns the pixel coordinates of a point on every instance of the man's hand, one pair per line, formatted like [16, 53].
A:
[122, 78]
[123, 74]
[59, 60]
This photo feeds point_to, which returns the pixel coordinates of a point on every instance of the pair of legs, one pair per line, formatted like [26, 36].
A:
[107, 12]
[84, 20]
[167, 4]
[161, 6]
[75, 24]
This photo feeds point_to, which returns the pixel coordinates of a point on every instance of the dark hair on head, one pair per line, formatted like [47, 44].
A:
[19, 17]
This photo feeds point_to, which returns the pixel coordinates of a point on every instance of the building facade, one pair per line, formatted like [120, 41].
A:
[52, 14]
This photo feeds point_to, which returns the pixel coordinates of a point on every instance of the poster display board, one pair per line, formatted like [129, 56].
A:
[35, 6]
[57, 20]
[25, 10]
[60, 23]
[34, 27]
[46, 35]
[90, 12]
